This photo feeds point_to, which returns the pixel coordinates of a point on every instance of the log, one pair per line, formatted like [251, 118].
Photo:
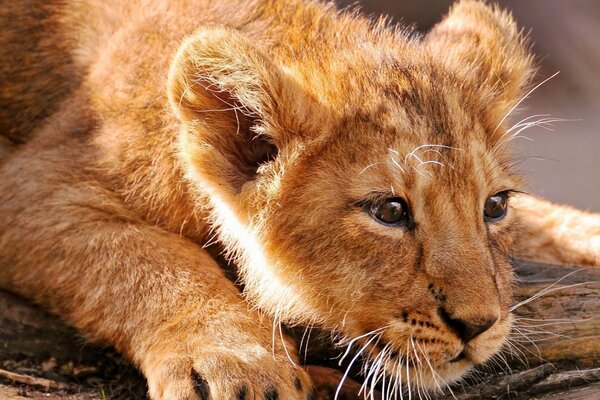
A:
[564, 321]
[554, 351]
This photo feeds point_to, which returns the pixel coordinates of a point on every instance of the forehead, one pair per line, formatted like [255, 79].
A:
[420, 129]
[425, 100]
[412, 126]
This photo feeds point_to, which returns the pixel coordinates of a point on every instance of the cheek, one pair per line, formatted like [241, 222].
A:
[502, 235]
[355, 269]
[505, 279]
[388, 265]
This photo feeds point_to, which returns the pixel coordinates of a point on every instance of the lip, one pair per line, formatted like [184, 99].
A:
[462, 356]
[395, 354]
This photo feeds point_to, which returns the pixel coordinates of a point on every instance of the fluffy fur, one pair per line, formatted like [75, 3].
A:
[160, 127]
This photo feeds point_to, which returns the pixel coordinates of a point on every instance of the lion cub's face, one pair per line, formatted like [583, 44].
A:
[367, 192]
[399, 233]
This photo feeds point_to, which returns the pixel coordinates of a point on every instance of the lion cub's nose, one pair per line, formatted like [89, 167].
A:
[467, 329]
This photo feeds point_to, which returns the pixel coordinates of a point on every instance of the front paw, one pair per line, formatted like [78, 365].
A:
[225, 373]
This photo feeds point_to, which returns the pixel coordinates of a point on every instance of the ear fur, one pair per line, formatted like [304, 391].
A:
[222, 63]
[485, 47]
[227, 95]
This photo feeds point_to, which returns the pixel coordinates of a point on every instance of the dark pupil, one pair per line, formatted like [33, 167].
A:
[390, 211]
[495, 206]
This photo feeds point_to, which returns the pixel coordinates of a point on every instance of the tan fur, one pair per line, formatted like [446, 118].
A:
[164, 126]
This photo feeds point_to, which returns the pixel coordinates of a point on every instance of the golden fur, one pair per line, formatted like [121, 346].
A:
[159, 127]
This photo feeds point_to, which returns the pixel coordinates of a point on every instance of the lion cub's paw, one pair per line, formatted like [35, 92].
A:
[228, 374]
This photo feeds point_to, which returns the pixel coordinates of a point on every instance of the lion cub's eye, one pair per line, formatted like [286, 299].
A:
[391, 211]
[495, 207]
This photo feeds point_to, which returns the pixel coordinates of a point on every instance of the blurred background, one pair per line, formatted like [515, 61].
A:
[562, 165]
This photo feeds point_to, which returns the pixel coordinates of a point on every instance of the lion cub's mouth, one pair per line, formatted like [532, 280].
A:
[422, 356]
[427, 366]
[419, 357]
[410, 369]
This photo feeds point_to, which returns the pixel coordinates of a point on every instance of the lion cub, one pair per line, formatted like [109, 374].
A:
[356, 174]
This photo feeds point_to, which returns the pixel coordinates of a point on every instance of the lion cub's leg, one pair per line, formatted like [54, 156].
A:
[557, 234]
[157, 297]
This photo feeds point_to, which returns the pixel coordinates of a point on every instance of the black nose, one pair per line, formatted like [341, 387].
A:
[467, 329]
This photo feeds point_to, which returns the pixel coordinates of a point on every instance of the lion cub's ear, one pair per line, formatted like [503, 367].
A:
[237, 109]
[485, 47]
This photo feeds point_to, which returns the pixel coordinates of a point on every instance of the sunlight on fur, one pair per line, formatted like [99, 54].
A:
[355, 172]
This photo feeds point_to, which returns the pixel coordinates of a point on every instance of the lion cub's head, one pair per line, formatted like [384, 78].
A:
[360, 178]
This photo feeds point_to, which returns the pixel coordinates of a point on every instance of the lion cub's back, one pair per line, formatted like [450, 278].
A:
[36, 71]
[47, 46]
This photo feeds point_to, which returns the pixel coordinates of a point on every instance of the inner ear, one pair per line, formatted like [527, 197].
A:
[253, 150]
[232, 101]
[227, 142]
[251, 147]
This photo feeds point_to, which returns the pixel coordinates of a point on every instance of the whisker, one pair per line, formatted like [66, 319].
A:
[539, 123]
[373, 369]
[408, 373]
[275, 316]
[306, 334]
[548, 289]
[505, 361]
[383, 387]
[539, 353]
[442, 146]
[419, 370]
[556, 321]
[308, 340]
[527, 118]
[538, 340]
[523, 99]
[421, 173]
[515, 352]
[370, 166]
[372, 372]
[544, 123]
[399, 376]
[543, 332]
[433, 373]
[337, 392]
[284, 345]
[431, 162]
[351, 342]
[394, 377]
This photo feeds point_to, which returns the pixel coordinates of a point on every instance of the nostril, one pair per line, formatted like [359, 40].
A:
[473, 330]
[466, 330]
[455, 324]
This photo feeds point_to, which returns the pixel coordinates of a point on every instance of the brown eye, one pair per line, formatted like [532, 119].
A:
[391, 211]
[495, 207]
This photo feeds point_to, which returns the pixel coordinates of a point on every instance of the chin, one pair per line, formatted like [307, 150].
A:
[446, 374]
[403, 379]
[421, 375]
